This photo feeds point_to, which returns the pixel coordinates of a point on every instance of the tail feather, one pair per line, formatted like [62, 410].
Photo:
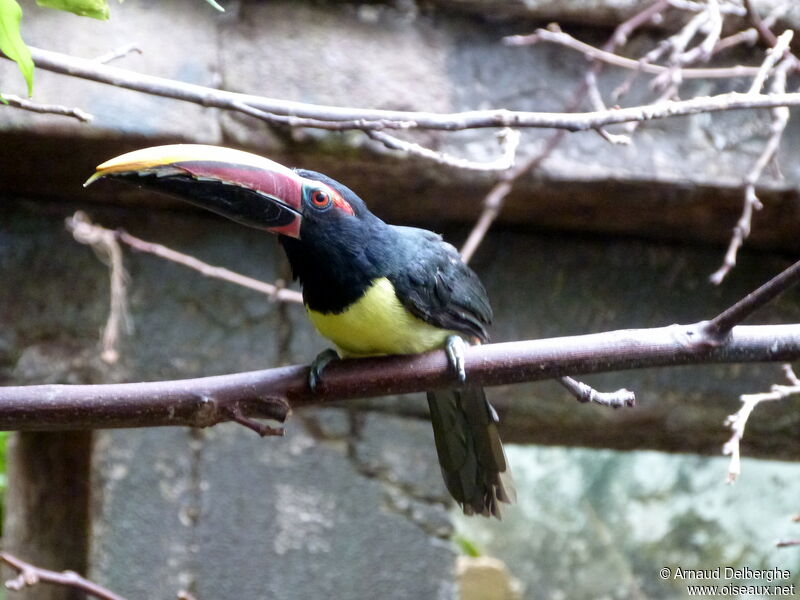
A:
[470, 452]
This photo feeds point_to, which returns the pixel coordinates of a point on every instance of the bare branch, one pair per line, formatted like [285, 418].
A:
[494, 200]
[268, 394]
[738, 421]
[695, 6]
[105, 245]
[389, 119]
[566, 40]
[764, 32]
[492, 205]
[260, 428]
[585, 393]
[751, 36]
[52, 109]
[30, 575]
[747, 36]
[276, 292]
[703, 51]
[624, 30]
[509, 142]
[715, 331]
[780, 119]
[120, 52]
[774, 54]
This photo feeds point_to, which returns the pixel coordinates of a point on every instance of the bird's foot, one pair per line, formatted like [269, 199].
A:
[318, 366]
[454, 347]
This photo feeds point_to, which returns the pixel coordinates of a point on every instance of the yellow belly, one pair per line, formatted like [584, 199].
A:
[377, 323]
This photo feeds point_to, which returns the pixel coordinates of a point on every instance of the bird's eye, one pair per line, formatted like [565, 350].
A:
[320, 198]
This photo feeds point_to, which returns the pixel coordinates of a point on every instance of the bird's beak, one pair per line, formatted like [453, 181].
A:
[243, 187]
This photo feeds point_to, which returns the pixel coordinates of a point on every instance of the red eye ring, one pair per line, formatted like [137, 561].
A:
[320, 198]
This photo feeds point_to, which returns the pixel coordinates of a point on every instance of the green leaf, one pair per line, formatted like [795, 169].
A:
[96, 9]
[11, 43]
[467, 547]
[216, 5]
[3, 100]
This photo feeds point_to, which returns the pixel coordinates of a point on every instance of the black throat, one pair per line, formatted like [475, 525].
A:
[332, 278]
[337, 259]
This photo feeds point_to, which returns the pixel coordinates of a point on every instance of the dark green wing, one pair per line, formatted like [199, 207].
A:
[434, 284]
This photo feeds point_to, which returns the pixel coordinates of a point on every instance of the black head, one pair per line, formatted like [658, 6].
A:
[334, 257]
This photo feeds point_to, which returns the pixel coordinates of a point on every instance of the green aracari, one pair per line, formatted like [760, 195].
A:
[368, 287]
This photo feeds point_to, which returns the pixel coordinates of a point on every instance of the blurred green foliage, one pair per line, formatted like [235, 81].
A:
[467, 546]
[96, 9]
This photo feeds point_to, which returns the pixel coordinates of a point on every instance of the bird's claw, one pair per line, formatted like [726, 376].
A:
[318, 366]
[455, 354]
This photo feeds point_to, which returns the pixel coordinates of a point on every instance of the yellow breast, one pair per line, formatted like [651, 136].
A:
[377, 323]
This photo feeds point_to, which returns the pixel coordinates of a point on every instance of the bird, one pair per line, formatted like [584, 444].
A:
[369, 287]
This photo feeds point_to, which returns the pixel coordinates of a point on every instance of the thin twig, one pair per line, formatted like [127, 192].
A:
[276, 292]
[120, 52]
[764, 32]
[509, 141]
[774, 54]
[566, 40]
[703, 51]
[494, 200]
[585, 393]
[738, 421]
[260, 428]
[751, 35]
[105, 245]
[492, 204]
[747, 36]
[780, 119]
[51, 109]
[695, 6]
[30, 575]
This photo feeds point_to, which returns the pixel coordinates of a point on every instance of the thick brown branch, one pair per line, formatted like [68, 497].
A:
[392, 119]
[715, 330]
[264, 394]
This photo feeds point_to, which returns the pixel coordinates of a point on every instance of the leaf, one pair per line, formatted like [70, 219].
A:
[11, 43]
[96, 9]
[216, 5]
[467, 547]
